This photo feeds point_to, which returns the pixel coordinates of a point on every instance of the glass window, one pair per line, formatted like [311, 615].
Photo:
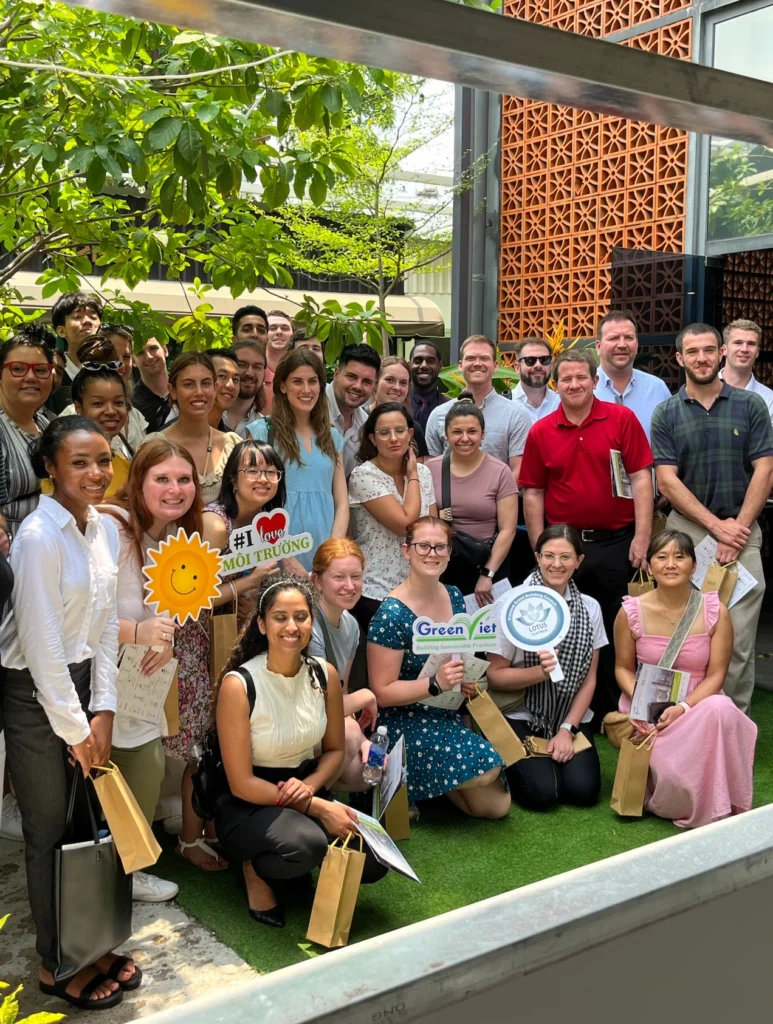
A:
[741, 173]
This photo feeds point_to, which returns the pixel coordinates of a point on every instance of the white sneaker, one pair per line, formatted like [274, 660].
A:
[10, 819]
[173, 826]
[150, 889]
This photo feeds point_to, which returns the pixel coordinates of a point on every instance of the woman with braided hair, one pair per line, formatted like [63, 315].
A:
[555, 711]
[276, 708]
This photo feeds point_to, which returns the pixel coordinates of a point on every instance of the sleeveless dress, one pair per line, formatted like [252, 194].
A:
[442, 752]
[701, 766]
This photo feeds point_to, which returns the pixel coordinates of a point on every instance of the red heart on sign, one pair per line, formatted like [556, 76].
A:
[271, 526]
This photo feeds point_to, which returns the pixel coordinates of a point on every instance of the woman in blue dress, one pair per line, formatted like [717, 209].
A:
[299, 429]
[444, 756]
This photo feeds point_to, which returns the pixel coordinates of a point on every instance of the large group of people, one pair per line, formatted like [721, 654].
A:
[413, 501]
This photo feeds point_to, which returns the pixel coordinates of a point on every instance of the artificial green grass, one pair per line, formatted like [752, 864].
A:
[460, 861]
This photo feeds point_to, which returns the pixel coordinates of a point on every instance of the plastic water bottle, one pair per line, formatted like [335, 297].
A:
[374, 768]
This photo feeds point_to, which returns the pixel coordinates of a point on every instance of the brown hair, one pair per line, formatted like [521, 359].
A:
[661, 540]
[96, 349]
[283, 418]
[481, 338]
[411, 528]
[574, 355]
[335, 547]
[616, 316]
[186, 359]
[131, 498]
[521, 345]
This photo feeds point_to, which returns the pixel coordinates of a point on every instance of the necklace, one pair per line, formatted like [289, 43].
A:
[665, 612]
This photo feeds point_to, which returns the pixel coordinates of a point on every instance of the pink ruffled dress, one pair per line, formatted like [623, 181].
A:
[701, 766]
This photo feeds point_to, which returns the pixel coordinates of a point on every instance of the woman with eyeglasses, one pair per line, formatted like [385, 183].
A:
[387, 492]
[393, 384]
[482, 503]
[535, 705]
[26, 380]
[299, 429]
[445, 758]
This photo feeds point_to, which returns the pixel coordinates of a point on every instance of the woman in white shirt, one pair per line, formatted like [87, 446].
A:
[60, 652]
[276, 708]
[557, 711]
[387, 491]
[337, 579]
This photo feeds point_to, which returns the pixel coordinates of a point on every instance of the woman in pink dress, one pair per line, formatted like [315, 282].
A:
[702, 758]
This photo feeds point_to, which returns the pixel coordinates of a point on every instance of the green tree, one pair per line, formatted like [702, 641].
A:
[740, 191]
[129, 144]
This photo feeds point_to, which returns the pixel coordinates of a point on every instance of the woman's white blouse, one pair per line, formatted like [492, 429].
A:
[64, 612]
[289, 718]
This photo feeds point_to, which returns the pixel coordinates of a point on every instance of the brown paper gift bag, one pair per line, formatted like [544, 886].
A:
[336, 895]
[722, 579]
[495, 728]
[223, 633]
[132, 835]
[630, 784]
[396, 820]
[642, 583]
[537, 746]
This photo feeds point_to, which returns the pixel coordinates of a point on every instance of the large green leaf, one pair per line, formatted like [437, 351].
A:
[163, 133]
[189, 143]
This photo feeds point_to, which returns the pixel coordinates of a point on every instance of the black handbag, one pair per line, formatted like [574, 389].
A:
[92, 895]
[472, 552]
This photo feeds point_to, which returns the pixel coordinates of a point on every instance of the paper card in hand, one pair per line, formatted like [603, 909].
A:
[182, 577]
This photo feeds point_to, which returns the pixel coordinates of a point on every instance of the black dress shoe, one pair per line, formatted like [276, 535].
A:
[275, 917]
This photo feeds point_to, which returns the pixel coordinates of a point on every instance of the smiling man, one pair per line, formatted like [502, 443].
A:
[617, 346]
[352, 385]
[713, 447]
[426, 364]
[280, 330]
[75, 317]
[151, 395]
[248, 405]
[566, 478]
[742, 342]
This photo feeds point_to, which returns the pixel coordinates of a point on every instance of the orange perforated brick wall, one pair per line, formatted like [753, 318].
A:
[577, 184]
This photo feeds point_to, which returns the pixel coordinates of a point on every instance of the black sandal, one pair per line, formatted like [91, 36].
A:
[120, 964]
[84, 1000]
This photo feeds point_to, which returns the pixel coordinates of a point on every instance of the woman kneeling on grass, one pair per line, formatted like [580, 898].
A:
[444, 756]
[702, 759]
[555, 711]
[278, 818]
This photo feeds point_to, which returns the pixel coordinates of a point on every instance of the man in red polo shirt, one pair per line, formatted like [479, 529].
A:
[566, 477]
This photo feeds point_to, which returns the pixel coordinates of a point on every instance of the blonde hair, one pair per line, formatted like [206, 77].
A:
[741, 325]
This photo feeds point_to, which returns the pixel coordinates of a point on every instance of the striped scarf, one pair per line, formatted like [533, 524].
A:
[548, 703]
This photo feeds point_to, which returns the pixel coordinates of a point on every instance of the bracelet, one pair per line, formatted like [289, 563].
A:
[685, 705]
[135, 631]
[308, 805]
[413, 479]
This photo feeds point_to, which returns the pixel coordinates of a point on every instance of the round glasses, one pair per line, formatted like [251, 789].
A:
[19, 369]
[550, 558]
[423, 548]
[272, 476]
[384, 432]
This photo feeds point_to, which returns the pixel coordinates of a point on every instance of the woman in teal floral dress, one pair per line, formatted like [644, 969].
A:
[444, 756]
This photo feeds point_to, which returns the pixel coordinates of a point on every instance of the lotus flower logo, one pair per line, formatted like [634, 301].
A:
[533, 614]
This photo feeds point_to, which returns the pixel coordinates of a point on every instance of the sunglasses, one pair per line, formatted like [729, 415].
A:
[19, 369]
[533, 360]
[96, 367]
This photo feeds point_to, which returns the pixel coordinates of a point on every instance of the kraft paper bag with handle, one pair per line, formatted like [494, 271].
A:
[722, 579]
[396, 820]
[172, 708]
[630, 784]
[223, 633]
[132, 835]
[495, 728]
[336, 895]
[642, 583]
[537, 746]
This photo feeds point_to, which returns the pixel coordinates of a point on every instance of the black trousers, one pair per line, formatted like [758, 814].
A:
[521, 560]
[605, 575]
[281, 843]
[539, 783]
[42, 775]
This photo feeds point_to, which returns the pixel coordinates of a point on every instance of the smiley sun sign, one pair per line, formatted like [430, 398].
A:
[182, 577]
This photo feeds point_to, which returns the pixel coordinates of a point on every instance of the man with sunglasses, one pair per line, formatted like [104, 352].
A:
[535, 359]
[617, 346]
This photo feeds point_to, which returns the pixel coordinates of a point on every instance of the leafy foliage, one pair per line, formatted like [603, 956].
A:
[9, 1007]
[741, 191]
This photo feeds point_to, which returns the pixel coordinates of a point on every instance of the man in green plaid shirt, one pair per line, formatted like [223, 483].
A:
[713, 450]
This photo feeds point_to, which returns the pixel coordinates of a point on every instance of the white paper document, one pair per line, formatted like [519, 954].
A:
[474, 670]
[654, 686]
[142, 697]
[499, 588]
[383, 848]
[704, 556]
[395, 775]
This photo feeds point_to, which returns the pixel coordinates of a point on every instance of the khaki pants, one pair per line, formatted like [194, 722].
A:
[739, 682]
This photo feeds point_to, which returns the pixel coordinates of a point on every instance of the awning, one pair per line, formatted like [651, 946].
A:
[408, 314]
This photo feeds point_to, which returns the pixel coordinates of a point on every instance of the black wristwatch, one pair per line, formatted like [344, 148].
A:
[488, 573]
[434, 687]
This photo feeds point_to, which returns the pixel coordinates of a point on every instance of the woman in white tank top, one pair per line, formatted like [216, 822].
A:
[280, 756]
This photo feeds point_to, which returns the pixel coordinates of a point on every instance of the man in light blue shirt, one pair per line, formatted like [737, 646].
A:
[617, 347]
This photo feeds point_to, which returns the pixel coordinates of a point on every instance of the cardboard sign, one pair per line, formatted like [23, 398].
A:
[461, 634]
[182, 577]
[266, 539]
[536, 619]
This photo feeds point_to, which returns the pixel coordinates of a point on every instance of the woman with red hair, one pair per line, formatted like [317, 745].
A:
[337, 578]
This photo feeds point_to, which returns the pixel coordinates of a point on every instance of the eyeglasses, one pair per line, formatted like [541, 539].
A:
[271, 476]
[96, 367]
[423, 548]
[19, 369]
[111, 328]
[550, 558]
[532, 360]
[385, 432]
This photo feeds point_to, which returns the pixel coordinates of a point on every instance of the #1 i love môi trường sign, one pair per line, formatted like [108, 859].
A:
[266, 539]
